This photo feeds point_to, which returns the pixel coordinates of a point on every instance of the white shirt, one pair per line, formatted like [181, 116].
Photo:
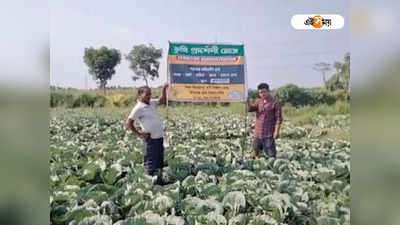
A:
[149, 118]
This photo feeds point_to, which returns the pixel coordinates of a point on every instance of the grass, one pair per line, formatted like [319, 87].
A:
[298, 116]
[118, 103]
[304, 115]
[337, 134]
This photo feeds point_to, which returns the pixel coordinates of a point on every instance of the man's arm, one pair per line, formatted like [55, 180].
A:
[251, 107]
[163, 98]
[277, 130]
[130, 125]
[278, 117]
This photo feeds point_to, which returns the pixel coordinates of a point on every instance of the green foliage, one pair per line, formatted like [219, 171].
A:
[129, 101]
[225, 104]
[294, 95]
[308, 114]
[303, 119]
[342, 107]
[318, 96]
[97, 176]
[144, 62]
[100, 101]
[61, 98]
[234, 201]
[101, 63]
[341, 79]
[90, 99]
[341, 95]
[323, 68]
[297, 96]
[289, 95]
[84, 100]
[252, 94]
[336, 82]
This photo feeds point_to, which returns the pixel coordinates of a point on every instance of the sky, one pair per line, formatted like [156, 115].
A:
[24, 43]
[276, 53]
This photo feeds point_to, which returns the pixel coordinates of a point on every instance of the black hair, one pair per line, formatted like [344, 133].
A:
[263, 86]
[141, 90]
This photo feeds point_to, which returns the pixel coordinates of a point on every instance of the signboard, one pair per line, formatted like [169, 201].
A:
[207, 72]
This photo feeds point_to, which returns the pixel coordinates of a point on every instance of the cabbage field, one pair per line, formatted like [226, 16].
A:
[97, 176]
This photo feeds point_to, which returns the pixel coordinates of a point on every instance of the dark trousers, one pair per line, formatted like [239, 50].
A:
[153, 155]
[266, 144]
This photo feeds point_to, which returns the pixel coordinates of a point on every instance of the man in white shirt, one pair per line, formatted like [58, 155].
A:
[146, 114]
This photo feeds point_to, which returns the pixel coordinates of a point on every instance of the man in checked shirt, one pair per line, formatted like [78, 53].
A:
[268, 121]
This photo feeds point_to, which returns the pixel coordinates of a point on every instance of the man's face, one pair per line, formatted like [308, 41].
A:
[263, 93]
[146, 96]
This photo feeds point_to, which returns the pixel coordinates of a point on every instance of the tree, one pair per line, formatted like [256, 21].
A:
[323, 68]
[338, 66]
[347, 70]
[341, 79]
[293, 94]
[101, 63]
[144, 62]
[252, 94]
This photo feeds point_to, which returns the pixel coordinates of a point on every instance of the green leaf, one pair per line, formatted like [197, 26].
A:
[235, 200]
[96, 220]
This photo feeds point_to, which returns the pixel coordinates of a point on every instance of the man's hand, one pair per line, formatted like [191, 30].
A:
[277, 131]
[251, 107]
[276, 135]
[130, 125]
[163, 97]
[165, 86]
[144, 136]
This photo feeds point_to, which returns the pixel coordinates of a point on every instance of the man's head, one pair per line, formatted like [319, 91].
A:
[144, 94]
[263, 91]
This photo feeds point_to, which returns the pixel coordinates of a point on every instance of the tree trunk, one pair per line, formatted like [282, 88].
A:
[103, 85]
[324, 79]
[348, 78]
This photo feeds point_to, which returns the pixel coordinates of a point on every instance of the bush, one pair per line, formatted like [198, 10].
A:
[342, 107]
[129, 100]
[115, 99]
[89, 99]
[306, 114]
[252, 94]
[341, 95]
[84, 100]
[320, 96]
[294, 95]
[55, 99]
[61, 99]
[100, 101]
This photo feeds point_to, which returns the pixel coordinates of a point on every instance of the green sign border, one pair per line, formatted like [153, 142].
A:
[205, 49]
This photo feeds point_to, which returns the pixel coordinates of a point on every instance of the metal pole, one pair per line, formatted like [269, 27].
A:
[167, 100]
[168, 83]
[244, 145]
[246, 106]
